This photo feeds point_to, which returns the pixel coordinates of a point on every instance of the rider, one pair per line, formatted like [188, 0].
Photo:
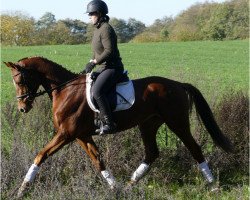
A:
[107, 56]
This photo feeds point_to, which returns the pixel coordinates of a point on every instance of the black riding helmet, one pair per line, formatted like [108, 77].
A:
[97, 6]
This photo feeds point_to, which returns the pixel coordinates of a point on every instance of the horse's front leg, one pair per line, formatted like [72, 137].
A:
[91, 149]
[54, 145]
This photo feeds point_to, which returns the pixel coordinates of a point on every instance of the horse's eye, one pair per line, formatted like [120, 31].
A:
[20, 84]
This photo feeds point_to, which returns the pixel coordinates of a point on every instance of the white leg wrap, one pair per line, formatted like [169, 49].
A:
[206, 172]
[30, 176]
[141, 170]
[109, 178]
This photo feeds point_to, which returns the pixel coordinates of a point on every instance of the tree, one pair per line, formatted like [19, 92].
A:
[121, 29]
[159, 24]
[44, 29]
[17, 29]
[134, 28]
[60, 34]
[127, 30]
[75, 26]
[239, 20]
[78, 30]
[158, 31]
[189, 24]
[46, 21]
[215, 28]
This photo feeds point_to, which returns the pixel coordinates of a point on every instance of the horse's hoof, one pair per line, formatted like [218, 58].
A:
[113, 187]
[116, 187]
[213, 187]
[129, 185]
[22, 189]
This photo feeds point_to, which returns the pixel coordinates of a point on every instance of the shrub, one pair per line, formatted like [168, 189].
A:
[147, 37]
[233, 117]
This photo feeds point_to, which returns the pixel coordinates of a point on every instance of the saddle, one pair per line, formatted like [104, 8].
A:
[120, 97]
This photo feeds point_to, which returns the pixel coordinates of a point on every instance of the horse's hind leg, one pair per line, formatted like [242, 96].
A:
[91, 149]
[180, 126]
[148, 131]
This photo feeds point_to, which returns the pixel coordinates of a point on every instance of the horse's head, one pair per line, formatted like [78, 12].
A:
[26, 82]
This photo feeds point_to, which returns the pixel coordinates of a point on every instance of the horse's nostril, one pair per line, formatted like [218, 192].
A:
[22, 110]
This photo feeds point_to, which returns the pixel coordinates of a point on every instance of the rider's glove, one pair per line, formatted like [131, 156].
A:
[89, 66]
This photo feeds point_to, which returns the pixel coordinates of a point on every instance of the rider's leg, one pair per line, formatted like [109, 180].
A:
[104, 82]
[106, 114]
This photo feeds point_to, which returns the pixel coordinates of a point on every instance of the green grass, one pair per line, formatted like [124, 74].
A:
[209, 65]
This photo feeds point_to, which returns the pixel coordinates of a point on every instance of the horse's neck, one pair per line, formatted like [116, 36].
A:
[53, 76]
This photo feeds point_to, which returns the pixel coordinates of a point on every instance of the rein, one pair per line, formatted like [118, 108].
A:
[30, 95]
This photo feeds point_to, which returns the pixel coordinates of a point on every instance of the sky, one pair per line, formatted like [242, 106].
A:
[146, 11]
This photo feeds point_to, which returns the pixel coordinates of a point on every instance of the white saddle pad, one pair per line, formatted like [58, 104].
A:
[125, 96]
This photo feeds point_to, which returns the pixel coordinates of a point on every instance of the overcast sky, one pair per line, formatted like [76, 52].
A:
[145, 11]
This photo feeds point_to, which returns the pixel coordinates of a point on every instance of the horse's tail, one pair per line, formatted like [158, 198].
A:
[207, 117]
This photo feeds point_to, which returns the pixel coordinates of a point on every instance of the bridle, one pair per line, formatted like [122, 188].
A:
[31, 95]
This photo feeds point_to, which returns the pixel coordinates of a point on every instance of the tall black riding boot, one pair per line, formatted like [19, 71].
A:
[108, 125]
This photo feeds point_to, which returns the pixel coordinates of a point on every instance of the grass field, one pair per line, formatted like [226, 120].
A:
[216, 68]
[207, 65]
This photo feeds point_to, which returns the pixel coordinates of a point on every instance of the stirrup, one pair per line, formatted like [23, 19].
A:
[106, 129]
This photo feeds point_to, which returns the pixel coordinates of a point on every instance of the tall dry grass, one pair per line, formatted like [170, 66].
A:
[69, 173]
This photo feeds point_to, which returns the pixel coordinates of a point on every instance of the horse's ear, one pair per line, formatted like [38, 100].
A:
[11, 65]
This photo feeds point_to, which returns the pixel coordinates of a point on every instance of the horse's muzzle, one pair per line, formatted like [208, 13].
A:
[24, 109]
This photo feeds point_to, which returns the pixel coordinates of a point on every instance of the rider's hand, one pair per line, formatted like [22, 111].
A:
[89, 66]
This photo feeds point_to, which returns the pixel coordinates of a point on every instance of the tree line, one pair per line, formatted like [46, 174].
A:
[202, 21]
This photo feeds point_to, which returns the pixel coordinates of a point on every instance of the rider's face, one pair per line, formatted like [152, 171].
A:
[94, 17]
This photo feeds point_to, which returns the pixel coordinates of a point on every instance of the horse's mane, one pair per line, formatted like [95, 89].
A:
[46, 60]
[54, 67]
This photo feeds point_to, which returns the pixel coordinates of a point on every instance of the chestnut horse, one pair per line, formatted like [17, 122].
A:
[157, 100]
